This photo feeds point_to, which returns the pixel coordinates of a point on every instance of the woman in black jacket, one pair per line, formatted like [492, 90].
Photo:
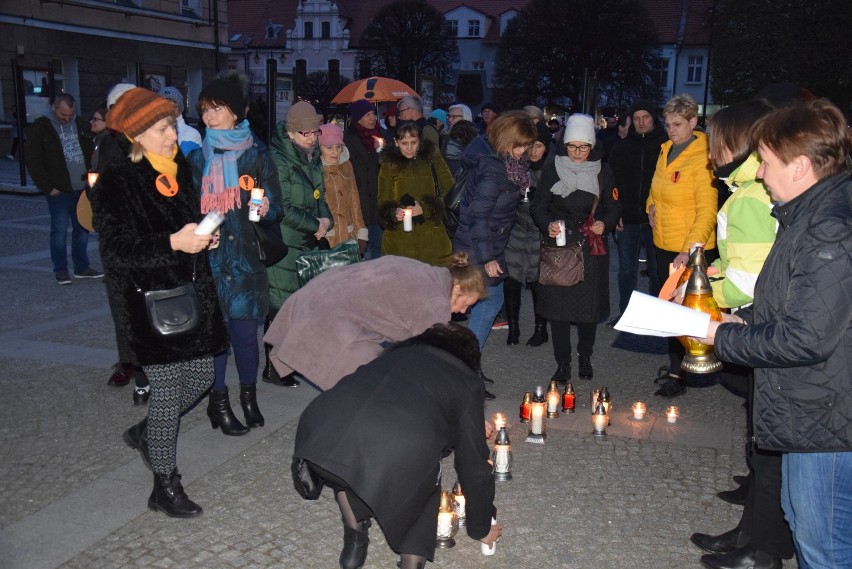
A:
[145, 209]
[378, 437]
[569, 190]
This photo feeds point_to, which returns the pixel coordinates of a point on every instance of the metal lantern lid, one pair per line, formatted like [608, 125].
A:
[599, 409]
[457, 488]
[502, 437]
[698, 282]
[604, 395]
[697, 258]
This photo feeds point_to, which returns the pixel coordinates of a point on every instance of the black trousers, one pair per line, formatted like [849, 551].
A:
[664, 259]
[561, 335]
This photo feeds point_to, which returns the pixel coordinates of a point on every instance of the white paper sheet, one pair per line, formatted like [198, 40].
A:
[650, 316]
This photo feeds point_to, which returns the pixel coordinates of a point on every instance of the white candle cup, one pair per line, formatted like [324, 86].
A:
[489, 549]
[561, 239]
[209, 224]
[255, 203]
[671, 414]
[407, 225]
[537, 421]
[552, 403]
[638, 410]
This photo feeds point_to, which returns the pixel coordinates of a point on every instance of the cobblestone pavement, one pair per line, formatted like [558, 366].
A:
[73, 495]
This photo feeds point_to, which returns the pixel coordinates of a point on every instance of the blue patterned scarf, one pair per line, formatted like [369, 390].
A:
[220, 186]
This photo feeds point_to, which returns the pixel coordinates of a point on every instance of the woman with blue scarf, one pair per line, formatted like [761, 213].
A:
[229, 164]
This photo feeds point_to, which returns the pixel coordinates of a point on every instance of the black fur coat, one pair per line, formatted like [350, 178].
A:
[134, 222]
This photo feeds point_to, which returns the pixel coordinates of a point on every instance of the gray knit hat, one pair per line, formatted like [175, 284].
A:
[303, 117]
[173, 94]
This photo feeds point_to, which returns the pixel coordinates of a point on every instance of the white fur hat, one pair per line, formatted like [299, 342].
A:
[580, 128]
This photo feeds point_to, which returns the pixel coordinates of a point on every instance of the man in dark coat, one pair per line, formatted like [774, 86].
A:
[798, 333]
[633, 161]
[378, 437]
[59, 150]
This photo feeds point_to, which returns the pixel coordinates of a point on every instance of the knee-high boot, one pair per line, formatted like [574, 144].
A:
[539, 336]
[512, 304]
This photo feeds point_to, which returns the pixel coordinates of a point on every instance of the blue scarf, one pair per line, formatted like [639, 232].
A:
[220, 185]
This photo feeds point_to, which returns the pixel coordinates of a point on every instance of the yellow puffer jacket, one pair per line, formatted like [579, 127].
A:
[684, 198]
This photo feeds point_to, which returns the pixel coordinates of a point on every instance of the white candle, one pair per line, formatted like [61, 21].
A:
[209, 224]
[459, 499]
[490, 549]
[501, 459]
[600, 422]
[560, 239]
[671, 414]
[537, 422]
[445, 524]
[638, 410]
[406, 221]
[552, 402]
[255, 204]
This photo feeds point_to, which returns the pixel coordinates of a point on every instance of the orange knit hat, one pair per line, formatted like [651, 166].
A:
[137, 110]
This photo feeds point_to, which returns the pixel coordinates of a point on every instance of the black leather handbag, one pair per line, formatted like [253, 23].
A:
[173, 311]
[270, 245]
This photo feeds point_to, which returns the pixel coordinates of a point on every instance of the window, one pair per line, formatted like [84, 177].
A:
[478, 65]
[661, 72]
[695, 69]
[454, 26]
[473, 28]
[326, 30]
[190, 8]
[309, 30]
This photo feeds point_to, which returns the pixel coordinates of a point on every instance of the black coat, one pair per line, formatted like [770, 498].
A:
[586, 301]
[134, 222]
[522, 251]
[633, 161]
[487, 208]
[385, 428]
[366, 167]
[799, 337]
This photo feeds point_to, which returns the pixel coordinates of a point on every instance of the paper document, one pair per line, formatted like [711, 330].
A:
[649, 316]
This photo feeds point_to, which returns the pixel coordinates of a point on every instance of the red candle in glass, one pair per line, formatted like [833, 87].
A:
[525, 410]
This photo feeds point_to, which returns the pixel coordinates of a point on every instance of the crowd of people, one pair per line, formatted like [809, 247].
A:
[765, 192]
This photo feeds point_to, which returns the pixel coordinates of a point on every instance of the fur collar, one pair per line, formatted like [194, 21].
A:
[394, 158]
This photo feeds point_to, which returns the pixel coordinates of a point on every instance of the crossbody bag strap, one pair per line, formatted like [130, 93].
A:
[435, 179]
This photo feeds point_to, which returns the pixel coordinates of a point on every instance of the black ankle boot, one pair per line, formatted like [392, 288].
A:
[512, 307]
[248, 401]
[168, 497]
[562, 373]
[585, 370]
[355, 543]
[220, 414]
[136, 437]
[539, 336]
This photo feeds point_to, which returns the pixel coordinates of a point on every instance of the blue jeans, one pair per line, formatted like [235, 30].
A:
[816, 495]
[243, 337]
[374, 241]
[629, 243]
[483, 312]
[62, 209]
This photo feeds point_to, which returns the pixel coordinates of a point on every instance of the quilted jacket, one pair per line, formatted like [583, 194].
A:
[798, 334]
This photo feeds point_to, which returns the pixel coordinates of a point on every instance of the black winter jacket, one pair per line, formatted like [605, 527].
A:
[366, 167]
[798, 336]
[633, 161]
[45, 160]
[134, 224]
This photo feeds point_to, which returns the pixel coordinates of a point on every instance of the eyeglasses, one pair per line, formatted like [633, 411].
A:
[455, 116]
[400, 111]
[582, 149]
[310, 133]
[96, 119]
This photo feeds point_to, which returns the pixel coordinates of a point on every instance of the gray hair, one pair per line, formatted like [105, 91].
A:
[466, 114]
[413, 101]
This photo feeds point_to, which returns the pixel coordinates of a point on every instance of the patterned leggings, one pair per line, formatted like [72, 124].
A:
[175, 388]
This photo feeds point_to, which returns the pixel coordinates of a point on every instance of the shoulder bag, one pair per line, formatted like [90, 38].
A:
[311, 263]
[174, 311]
[561, 266]
[270, 246]
[452, 201]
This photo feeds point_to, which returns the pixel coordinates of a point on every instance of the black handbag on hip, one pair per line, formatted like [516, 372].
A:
[173, 311]
[270, 245]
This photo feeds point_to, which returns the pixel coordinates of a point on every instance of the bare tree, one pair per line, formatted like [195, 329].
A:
[319, 90]
[407, 39]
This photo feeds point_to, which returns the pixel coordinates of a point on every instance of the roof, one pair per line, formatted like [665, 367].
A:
[250, 18]
[668, 16]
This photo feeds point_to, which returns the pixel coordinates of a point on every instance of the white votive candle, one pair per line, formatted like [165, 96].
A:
[406, 220]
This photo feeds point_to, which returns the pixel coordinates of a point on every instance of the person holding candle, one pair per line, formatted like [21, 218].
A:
[229, 165]
[148, 243]
[363, 307]
[341, 192]
[572, 188]
[746, 231]
[798, 331]
[377, 440]
[681, 208]
[414, 177]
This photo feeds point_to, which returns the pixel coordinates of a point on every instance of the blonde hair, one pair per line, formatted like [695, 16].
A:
[511, 130]
[137, 152]
[683, 105]
[468, 277]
